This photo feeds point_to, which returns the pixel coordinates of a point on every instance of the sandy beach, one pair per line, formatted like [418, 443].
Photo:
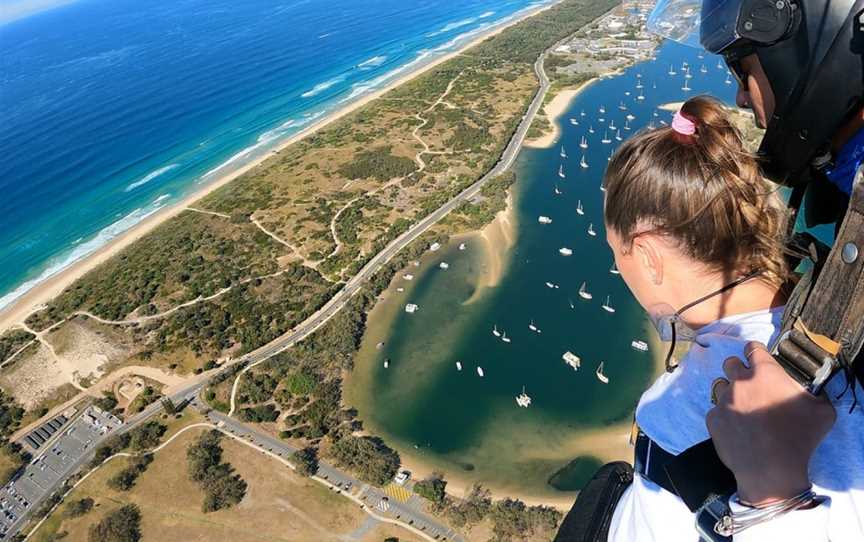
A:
[553, 110]
[42, 293]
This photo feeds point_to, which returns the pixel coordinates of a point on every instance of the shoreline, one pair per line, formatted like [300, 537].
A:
[43, 292]
[553, 110]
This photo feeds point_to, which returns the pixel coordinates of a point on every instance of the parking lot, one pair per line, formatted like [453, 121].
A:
[53, 464]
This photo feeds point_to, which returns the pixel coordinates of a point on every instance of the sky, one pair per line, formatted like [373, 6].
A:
[11, 10]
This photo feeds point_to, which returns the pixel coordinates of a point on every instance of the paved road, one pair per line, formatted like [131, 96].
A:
[372, 496]
[341, 482]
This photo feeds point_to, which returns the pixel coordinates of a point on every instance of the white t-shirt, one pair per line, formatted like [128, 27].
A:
[672, 412]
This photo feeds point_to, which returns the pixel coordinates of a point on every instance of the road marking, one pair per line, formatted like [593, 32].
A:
[397, 492]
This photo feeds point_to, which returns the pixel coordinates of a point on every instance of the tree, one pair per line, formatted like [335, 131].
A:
[473, 508]
[168, 406]
[121, 525]
[107, 402]
[369, 457]
[433, 487]
[147, 435]
[78, 507]
[306, 461]
[222, 487]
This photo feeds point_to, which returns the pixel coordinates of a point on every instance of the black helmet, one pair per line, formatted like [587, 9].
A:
[811, 51]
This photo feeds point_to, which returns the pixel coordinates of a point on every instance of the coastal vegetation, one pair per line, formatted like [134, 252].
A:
[222, 486]
[120, 525]
[12, 341]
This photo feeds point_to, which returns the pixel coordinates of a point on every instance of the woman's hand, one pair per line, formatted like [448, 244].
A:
[766, 427]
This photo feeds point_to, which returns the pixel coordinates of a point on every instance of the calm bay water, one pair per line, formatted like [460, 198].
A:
[471, 426]
[112, 109]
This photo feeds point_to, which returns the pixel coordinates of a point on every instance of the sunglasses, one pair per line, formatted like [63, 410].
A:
[738, 72]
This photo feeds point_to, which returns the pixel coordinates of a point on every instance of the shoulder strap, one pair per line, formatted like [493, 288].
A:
[824, 321]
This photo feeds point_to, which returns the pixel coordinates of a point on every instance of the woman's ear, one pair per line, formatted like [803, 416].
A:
[648, 253]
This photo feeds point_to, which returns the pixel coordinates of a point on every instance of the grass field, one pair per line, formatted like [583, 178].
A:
[279, 505]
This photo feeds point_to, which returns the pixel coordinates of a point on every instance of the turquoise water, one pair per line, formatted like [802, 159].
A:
[113, 109]
[472, 425]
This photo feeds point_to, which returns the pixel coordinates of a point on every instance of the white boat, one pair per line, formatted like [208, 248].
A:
[563, 153]
[480, 371]
[534, 328]
[461, 246]
[672, 70]
[602, 109]
[612, 125]
[386, 363]
[630, 116]
[570, 301]
[458, 365]
[728, 80]
[561, 171]
[618, 135]
[627, 125]
[590, 129]
[505, 338]
[639, 85]
[608, 159]
[606, 139]
[444, 265]
[552, 285]
[687, 74]
[607, 306]
[574, 122]
[523, 400]
[583, 144]
[601, 120]
[434, 246]
[411, 308]
[591, 231]
[579, 210]
[583, 163]
[655, 114]
[686, 87]
[582, 113]
[572, 360]
[557, 192]
[641, 96]
[614, 270]
[600, 376]
[495, 331]
[544, 219]
[720, 65]
[584, 293]
[565, 251]
[640, 345]
[703, 69]
[408, 276]
[626, 93]
[622, 107]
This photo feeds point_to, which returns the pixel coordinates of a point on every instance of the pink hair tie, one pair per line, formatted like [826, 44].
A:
[683, 125]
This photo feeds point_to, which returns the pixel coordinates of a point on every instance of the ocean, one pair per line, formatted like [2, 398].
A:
[470, 427]
[113, 109]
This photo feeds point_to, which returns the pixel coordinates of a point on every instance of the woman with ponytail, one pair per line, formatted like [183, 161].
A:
[698, 236]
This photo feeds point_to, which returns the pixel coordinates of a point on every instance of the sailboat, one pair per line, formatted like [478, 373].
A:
[386, 363]
[523, 400]
[672, 70]
[602, 109]
[728, 80]
[612, 125]
[618, 135]
[458, 365]
[607, 306]
[590, 129]
[582, 163]
[686, 87]
[584, 293]
[582, 113]
[563, 153]
[561, 171]
[687, 74]
[627, 125]
[583, 144]
[495, 331]
[655, 114]
[480, 371]
[505, 338]
[557, 192]
[614, 270]
[570, 301]
[641, 96]
[703, 69]
[639, 85]
[591, 231]
[534, 328]
[574, 122]
[601, 119]
[606, 139]
[600, 376]
[630, 116]
[720, 65]
[579, 210]
[622, 107]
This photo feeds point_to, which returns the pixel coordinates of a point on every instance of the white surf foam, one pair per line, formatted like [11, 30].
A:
[82, 250]
[372, 62]
[486, 14]
[451, 26]
[321, 87]
[150, 176]
[460, 38]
